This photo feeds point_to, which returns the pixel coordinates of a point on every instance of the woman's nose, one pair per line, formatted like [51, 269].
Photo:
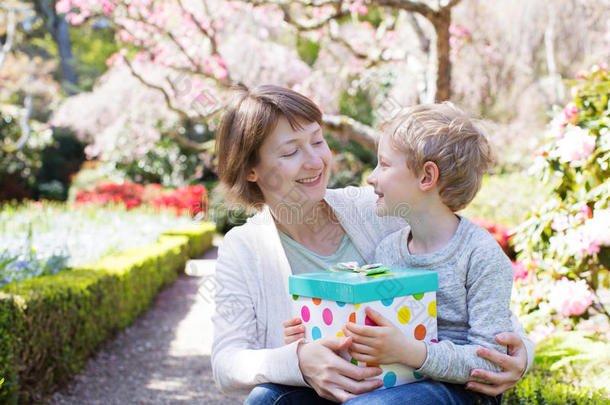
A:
[313, 159]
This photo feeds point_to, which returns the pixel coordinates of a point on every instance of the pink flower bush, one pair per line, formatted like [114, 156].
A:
[598, 227]
[358, 7]
[570, 112]
[541, 332]
[570, 297]
[520, 271]
[560, 223]
[576, 144]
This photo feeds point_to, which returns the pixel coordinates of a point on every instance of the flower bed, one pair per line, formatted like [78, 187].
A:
[46, 238]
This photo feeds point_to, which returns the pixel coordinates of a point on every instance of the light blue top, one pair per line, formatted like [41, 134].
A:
[303, 260]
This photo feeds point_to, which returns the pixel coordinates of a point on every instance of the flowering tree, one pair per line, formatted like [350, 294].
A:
[202, 48]
[566, 241]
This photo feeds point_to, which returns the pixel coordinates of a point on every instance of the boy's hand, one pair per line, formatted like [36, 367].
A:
[293, 330]
[382, 344]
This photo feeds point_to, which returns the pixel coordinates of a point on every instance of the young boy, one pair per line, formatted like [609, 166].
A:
[431, 159]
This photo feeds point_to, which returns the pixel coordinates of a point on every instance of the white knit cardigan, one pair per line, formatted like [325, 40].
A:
[252, 299]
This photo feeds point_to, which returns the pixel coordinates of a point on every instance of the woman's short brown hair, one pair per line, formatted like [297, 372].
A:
[250, 117]
[443, 134]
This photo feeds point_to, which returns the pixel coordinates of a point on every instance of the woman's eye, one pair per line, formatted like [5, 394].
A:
[290, 153]
[318, 143]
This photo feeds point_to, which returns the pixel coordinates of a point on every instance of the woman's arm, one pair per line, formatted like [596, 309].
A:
[239, 359]
[514, 364]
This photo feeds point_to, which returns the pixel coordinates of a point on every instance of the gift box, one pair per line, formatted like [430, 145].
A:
[327, 300]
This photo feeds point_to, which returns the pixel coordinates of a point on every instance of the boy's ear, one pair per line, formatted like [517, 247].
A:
[429, 176]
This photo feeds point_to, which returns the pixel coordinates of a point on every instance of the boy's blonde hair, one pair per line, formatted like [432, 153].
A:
[443, 134]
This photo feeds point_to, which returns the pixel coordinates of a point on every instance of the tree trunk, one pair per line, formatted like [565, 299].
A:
[62, 37]
[441, 21]
[59, 29]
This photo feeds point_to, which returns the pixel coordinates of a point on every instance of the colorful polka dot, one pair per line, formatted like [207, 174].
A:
[388, 302]
[404, 315]
[316, 301]
[352, 317]
[295, 297]
[357, 306]
[433, 340]
[389, 380]
[316, 333]
[417, 375]
[354, 361]
[418, 296]
[372, 365]
[305, 313]
[369, 322]
[327, 316]
[420, 332]
[432, 309]
[340, 334]
[341, 304]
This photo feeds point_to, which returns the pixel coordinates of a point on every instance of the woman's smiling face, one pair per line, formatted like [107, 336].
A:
[293, 165]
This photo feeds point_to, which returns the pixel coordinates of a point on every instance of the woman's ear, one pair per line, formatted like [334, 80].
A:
[429, 176]
[252, 176]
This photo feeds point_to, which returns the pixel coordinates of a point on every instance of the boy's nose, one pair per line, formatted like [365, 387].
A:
[371, 179]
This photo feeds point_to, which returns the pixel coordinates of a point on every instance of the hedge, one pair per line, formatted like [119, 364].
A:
[541, 388]
[51, 325]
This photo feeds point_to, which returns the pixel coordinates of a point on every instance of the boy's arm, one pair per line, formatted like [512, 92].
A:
[488, 284]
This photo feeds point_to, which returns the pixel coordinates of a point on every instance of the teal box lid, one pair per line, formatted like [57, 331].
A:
[355, 288]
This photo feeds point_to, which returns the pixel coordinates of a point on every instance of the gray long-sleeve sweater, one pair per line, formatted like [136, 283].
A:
[475, 281]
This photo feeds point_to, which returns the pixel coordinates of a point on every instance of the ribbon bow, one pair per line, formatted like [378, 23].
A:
[366, 270]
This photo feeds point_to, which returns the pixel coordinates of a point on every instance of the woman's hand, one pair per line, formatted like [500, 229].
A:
[384, 343]
[513, 366]
[293, 330]
[331, 376]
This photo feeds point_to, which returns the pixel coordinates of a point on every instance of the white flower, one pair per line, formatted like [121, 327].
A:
[577, 144]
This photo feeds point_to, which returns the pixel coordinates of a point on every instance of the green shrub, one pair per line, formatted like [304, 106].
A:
[538, 388]
[50, 325]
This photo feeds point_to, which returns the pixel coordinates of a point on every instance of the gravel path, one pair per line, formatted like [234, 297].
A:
[163, 358]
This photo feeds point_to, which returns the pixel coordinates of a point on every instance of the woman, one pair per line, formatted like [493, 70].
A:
[273, 158]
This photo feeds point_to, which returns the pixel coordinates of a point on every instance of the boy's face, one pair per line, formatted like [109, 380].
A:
[396, 186]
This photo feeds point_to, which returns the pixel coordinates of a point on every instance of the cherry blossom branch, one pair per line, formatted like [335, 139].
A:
[352, 129]
[166, 96]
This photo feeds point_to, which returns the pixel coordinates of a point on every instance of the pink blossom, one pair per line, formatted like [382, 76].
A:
[577, 144]
[570, 113]
[570, 297]
[583, 213]
[560, 223]
[520, 271]
[63, 6]
[541, 332]
[114, 58]
[556, 127]
[108, 6]
[598, 227]
[358, 7]
[75, 19]
[581, 241]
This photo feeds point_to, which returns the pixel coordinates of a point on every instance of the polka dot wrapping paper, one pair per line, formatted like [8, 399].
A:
[414, 313]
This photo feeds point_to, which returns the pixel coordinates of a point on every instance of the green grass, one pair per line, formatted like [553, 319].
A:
[507, 198]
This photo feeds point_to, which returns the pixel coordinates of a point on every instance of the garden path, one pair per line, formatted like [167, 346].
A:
[163, 357]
